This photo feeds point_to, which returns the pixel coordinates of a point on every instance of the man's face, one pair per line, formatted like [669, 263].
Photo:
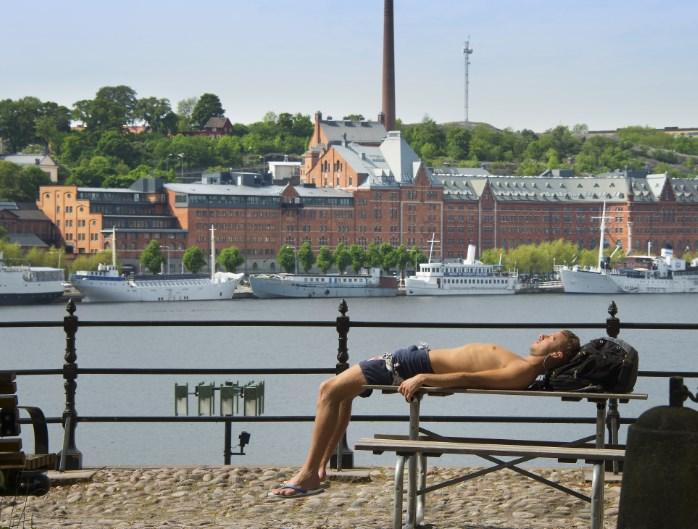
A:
[548, 343]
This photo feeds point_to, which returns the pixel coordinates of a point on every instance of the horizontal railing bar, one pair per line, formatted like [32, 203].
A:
[354, 324]
[311, 418]
[250, 371]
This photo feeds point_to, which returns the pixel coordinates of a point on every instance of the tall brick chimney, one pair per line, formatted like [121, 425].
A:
[388, 93]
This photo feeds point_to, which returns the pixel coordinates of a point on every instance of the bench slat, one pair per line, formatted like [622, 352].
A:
[12, 460]
[40, 462]
[8, 387]
[442, 447]
[7, 376]
[8, 402]
[10, 444]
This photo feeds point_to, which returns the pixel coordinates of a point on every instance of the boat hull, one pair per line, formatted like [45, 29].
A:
[30, 285]
[32, 298]
[593, 282]
[271, 287]
[421, 288]
[121, 291]
[588, 282]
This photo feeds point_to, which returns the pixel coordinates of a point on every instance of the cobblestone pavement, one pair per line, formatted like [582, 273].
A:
[236, 497]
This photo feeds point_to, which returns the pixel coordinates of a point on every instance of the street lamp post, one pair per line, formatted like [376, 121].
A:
[181, 158]
[167, 249]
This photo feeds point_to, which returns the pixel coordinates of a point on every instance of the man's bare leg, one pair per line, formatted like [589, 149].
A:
[342, 423]
[332, 394]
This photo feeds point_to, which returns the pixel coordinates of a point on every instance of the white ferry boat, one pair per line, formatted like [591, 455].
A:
[663, 274]
[323, 286]
[107, 285]
[465, 277]
[21, 285]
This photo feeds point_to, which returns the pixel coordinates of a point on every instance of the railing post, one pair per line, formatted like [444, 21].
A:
[613, 418]
[612, 323]
[343, 457]
[70, 456]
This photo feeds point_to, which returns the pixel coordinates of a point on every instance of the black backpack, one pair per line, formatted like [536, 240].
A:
[601, 365]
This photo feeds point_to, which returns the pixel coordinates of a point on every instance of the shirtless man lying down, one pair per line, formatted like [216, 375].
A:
[473, 365]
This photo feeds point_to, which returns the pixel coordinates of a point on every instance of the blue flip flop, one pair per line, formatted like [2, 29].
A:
[298, 492]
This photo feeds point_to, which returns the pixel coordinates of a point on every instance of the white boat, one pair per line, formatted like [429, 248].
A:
[107, 285]
[465, 277]
[323, 286]
[20, 285]
[663, 274]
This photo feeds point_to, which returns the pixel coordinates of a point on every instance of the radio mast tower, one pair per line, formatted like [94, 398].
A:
[467, 51]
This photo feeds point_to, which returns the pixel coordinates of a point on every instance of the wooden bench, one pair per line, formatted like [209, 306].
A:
[421, 443]
[21, 474]
[405, 447]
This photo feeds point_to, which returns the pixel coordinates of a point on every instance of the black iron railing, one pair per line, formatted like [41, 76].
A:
[71, 457]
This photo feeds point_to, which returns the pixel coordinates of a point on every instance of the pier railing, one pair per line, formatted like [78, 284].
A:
[71, 457]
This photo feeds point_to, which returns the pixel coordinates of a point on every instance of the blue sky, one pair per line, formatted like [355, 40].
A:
[536, 64]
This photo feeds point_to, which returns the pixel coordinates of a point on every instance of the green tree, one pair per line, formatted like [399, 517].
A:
[388, 257]
[306, 257]
[416, 256]
[112, 109]
[324, 259]
[151, 257]
[193, 259]
[341, 257]
[208, 106]
[230, 258]
[286, 259]
[373, 256]
[354, 117]
[157, 114]
[21, 183]
[358, 257]
[402, 259]
[185, 109]
[457, 143]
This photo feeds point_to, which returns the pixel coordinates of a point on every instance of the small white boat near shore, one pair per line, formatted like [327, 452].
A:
[24, 285]
[107, 285]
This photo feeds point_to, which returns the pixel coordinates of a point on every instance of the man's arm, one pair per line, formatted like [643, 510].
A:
[514, 376]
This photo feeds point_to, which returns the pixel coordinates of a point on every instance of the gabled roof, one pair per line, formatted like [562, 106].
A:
[26, 240]
[400, 157]
[28, 159]
[459, 171]
[365, 132]
[536, 188]
[216, 122]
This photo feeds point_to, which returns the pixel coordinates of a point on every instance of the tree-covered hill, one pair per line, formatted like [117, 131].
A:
[122, 137]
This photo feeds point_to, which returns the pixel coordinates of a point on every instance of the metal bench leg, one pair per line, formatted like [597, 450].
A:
[398, 484]
[412, 465]
[598, 478]
[421, 499]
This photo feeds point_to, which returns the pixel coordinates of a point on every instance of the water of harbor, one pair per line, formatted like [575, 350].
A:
[240, 347]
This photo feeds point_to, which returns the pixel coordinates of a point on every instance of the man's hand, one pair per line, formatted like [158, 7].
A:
[410, 386]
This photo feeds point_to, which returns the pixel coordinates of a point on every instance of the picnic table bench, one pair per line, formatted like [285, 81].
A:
[421, 443]
[21, 474]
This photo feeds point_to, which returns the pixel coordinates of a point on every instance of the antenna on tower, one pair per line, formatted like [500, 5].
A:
[467, 51]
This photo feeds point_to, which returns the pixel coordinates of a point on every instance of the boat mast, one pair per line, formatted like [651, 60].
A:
[113, 246]
[601, 233]
[431, 245]
[213, 252]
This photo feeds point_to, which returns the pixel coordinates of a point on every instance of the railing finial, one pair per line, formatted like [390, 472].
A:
[612, 323]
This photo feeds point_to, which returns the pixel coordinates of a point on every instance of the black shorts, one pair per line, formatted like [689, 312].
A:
[405, 363]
